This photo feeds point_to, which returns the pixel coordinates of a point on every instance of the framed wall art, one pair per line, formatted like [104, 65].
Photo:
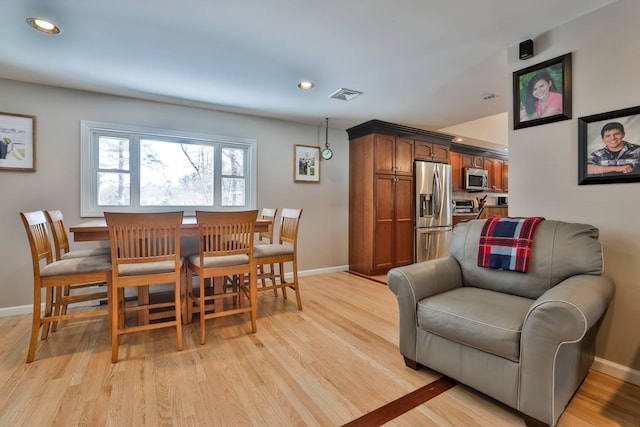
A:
[609, 147]
[17, 142]
[306, 163]
[542, 93]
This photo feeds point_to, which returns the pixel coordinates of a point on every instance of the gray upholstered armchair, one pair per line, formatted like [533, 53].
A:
[525, 339]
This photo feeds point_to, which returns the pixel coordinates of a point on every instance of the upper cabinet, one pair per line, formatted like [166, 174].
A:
[393, 155]
[495, 168]
[431, 152]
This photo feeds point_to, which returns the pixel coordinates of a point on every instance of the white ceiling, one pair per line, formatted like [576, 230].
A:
[423, 63]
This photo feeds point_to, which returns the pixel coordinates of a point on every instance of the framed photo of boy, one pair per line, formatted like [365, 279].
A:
[542, 93]
[306, 163]
[17, 142]
[609, 147]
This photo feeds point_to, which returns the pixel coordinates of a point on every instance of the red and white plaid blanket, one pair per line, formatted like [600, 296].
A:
[505, 243]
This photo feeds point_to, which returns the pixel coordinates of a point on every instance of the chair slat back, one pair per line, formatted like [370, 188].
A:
[35, 224]
[226, 233]
[289, 223]
[59, 232]
[270, 214]
[144, 237]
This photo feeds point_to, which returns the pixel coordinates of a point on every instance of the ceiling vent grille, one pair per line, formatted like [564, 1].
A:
[345, 94]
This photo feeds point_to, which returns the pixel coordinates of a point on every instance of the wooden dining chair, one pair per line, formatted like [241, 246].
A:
[145, 250]
[50, 276]
[61, 239]
[286, 250]
[62, 251]
[225, 242]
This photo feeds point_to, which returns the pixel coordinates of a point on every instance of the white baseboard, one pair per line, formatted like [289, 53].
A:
[616, 370]
[17, 310]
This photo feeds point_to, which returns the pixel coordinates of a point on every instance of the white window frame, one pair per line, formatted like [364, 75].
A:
[91, 130]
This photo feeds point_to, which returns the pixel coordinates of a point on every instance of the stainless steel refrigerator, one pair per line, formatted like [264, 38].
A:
[433, 210]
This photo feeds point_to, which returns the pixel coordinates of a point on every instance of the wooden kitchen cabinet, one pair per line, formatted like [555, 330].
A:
[471, 161]
[381, 203]
[455, 160]
[495, 168]
[393, 155]
[431, 152]
[393, 227]
[505, 176]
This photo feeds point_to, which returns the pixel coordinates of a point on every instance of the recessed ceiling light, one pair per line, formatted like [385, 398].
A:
[306, 85]
[43, 25]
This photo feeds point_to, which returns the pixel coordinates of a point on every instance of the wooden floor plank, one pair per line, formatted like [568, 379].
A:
[326, 365]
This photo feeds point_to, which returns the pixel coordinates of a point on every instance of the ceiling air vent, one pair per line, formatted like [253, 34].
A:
[345, 94]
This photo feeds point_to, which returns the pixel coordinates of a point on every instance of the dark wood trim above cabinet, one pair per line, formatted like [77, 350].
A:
[393, 129]
[478, 151]
[386, 128]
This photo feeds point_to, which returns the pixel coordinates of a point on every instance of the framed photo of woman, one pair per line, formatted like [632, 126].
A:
[542, 93]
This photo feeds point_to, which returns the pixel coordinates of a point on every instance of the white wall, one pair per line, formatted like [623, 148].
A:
[55, 184]
[543, 160]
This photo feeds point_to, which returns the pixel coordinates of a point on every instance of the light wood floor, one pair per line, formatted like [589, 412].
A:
[326, 365]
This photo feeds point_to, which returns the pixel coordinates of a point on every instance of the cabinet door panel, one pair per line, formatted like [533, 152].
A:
[455, 160]
[404, 156]
[404, 221]
[440, 153]
[384, 154]
[423, 150]
[384, 223]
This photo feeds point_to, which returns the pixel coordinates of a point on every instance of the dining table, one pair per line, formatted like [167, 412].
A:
[97, 230]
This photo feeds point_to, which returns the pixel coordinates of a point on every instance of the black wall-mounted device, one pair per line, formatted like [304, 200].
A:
[526, 49]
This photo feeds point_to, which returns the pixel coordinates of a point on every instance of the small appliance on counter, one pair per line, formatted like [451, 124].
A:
[502, 200]
[463, 206]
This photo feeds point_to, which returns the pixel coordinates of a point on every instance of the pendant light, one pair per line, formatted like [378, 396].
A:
[327, 153]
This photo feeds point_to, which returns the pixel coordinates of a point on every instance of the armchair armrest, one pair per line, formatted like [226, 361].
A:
[414, 282]
[552, 340]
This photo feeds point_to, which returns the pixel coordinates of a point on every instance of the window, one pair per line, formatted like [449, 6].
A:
[128, 168]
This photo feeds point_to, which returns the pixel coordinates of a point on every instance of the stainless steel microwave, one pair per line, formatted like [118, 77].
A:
[476, 179]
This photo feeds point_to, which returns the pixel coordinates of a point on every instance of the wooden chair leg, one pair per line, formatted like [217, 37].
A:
[178, 309]
[58, 306]
[35, 326]
[114, 317]
[282, 280]
[296, 284]
[253, 300]
[201, 305]
[48, 310]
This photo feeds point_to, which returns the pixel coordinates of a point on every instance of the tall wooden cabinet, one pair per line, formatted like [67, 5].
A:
[381, 203]
[382, 192]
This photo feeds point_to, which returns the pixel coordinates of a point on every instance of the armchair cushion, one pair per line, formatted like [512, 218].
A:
[487, 320]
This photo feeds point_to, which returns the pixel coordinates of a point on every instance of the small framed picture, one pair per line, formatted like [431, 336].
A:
[609, 147]
[306, 163]
[542, 93]
[17, 142]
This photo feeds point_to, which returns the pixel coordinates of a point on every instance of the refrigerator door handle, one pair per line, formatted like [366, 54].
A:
[437, 200]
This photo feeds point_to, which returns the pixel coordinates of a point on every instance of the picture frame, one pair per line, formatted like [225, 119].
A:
[593, 131]
[529, 110]
[306, 163]
[17, 142]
